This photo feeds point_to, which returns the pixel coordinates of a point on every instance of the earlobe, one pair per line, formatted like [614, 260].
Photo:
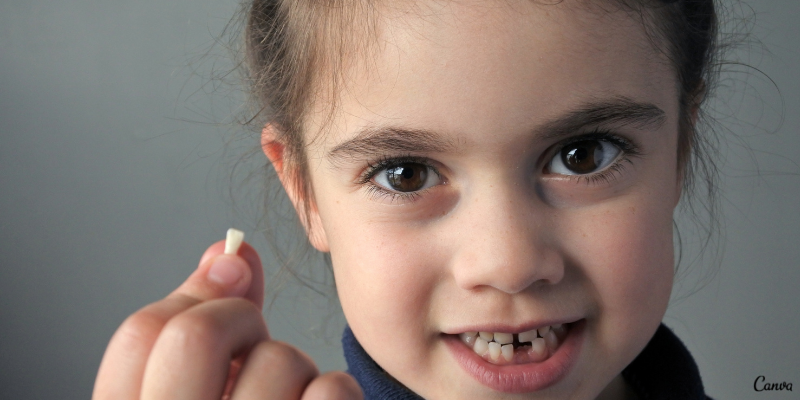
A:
[309, 216]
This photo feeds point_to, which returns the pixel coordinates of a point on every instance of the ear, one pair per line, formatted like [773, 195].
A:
[309, 216]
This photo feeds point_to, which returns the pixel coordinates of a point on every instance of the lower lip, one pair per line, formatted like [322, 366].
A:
[520, 378]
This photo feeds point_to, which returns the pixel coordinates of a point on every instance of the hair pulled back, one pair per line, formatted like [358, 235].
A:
[297, 50]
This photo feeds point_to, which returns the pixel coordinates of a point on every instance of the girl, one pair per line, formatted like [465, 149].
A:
[494, 182]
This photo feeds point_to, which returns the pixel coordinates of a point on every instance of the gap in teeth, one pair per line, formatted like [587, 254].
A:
[534, 345]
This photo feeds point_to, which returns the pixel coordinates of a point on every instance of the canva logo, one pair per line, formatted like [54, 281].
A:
[760, 385]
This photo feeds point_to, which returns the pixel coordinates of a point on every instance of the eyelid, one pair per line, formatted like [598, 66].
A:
[390, 161]
[375, 190]
[628, 147]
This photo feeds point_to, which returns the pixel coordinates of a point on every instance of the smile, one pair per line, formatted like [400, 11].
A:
[501, 348]
[519, 362]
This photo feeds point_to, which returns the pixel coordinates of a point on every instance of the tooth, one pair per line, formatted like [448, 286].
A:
[559, 330]
[551, 340]
[487, 336]
[469, 337]
[539, 347]
[481, 347]
[527, 336]
[494, 350]
[508, 351]
[504, 338]
[543, 331]
[233, 241]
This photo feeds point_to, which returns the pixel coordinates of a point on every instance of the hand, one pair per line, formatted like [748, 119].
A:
[208, 340]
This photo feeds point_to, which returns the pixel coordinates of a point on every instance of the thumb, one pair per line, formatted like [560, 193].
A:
[226, 275]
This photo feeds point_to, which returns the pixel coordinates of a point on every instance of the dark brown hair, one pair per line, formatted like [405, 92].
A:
[296, 51]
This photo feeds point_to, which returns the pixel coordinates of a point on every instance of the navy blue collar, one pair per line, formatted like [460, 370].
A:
[664, 370]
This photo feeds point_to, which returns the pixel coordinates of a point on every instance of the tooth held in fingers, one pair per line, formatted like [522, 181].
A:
[494, 350]
[487, 336]
[481, 346]
[508, 351]
[527, 336]
[233, 241]
[504, 338]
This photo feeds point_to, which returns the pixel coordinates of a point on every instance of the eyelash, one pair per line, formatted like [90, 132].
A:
[375, 191]
[628, 149]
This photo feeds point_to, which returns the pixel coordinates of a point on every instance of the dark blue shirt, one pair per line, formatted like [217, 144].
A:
[664, 370]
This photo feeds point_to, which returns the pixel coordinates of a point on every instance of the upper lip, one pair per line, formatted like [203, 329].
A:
[507, 328]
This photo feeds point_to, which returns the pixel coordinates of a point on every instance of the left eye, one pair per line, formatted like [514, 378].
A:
[407, 177]
[583, 157]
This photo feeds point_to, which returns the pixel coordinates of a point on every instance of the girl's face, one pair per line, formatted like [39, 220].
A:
[501, 168]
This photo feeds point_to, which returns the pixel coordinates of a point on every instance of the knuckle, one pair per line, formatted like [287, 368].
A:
[283, 356]
[191, 331]
[141, 328]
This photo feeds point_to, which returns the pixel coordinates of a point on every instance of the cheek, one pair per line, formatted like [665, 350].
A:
[626, 257]
[386, 274]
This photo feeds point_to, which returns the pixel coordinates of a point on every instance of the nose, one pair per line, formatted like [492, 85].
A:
[504, 243]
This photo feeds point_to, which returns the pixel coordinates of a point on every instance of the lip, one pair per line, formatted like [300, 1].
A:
[508, 328]
[520, 378]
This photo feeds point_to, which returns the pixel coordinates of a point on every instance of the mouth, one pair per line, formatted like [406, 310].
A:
[517, 362]
[501, 348]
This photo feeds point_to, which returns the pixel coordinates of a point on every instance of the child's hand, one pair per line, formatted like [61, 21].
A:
[208, 340]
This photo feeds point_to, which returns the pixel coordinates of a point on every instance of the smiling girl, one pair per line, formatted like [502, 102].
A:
[495, 184]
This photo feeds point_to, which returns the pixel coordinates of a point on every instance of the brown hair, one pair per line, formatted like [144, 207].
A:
[296, 52]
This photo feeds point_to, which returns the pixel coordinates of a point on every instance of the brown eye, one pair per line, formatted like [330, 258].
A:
[583, 157]
[407, 177]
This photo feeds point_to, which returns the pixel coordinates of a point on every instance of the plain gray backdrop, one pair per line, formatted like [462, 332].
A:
[114, 179]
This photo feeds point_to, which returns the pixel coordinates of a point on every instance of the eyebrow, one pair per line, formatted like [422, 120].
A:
[619, 111]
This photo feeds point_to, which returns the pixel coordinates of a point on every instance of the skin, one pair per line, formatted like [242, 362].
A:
[498, 239]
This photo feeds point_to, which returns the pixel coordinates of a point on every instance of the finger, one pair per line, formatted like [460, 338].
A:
[274, 370]
[238, 275]
[335, 385]
[190, 358]
[122, 368]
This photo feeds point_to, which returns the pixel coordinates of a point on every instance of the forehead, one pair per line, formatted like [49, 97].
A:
[484, 66]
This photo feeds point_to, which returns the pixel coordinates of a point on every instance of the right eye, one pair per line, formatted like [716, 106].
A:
[406, 177]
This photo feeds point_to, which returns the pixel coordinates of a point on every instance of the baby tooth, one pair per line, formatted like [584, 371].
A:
[487, 336]
[539, 346]
[527, 336]
[508, 351]
[469, 337]
[233, 241]
[551, 340]
[494, 350]
[481, 346]
[543, 331]
[504, 338]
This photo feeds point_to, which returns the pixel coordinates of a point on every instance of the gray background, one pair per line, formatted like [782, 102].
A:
[114, 178]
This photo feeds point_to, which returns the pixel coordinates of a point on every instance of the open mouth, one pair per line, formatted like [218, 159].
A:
[503, 348]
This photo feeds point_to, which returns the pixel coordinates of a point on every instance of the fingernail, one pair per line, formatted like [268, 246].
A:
[227, 270]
